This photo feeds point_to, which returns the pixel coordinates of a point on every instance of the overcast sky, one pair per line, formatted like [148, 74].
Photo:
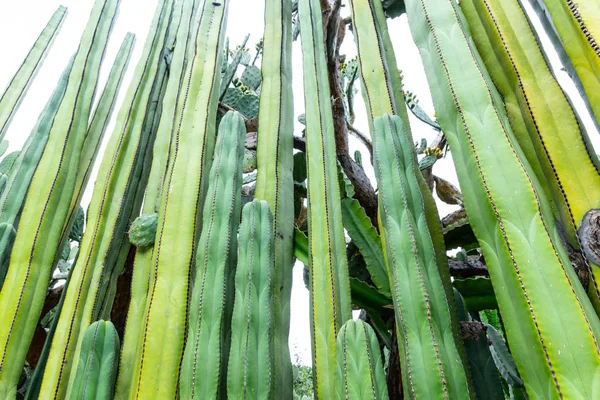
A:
[21, 22]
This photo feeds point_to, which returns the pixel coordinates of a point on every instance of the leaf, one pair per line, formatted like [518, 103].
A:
[477, 292]
[365, 236]
[502, 357]
[367, 296]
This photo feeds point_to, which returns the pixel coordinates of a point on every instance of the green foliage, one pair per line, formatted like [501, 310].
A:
[142, 232]
[251, 77]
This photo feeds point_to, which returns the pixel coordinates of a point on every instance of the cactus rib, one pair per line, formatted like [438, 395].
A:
[329, 283]
[494, 179]
[18, 85]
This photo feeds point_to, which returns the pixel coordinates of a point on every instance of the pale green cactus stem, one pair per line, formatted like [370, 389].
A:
[164, 322]
[360, 373]
[11, 98]
[423, 321]
[98, 362]
[19, 178]
[543, 119]
[556, 358]
[143, 257]
[116, 198]
[576, 25]
[330, 304]
[48, 205]
[274, 180]
[204, 366]
[250, 374]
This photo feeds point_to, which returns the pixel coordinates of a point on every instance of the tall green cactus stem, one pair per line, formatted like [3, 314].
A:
[577, 25]
[432, 367]
[329, 283]
[48, 204]
[543, 120]
[143, 256]
[360, 372]
[19, 178]
[98, 362]
[115, 199]
[10, 100]
[274, 180]
[182, 198]
[557, 357]
[204, 366]
[250, 372]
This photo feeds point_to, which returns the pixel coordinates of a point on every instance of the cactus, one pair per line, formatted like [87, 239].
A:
[232, 67]
[204, 366]
[250, 372]
[98, 362]
[10, 100]
[423, 320]
[142, 232]
[542, 117]
[248, 105]
[232, 96]
[359, 366]
[274, 181]
[48, 204]
[251, 77]
[574, 29]
[117, 196]
[155, 371]
[329, 284]
[494, 179]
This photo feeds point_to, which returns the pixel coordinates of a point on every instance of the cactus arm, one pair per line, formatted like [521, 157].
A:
[181, 202]
[204, 366]
[576, 25]
[47, 207]
[329, 284]
[10, 99]
[250, 373]
[360, 372]
[112, 205]
[427, 343]
[97, 366]
[509, 216]
[274, 181]
[539, 112]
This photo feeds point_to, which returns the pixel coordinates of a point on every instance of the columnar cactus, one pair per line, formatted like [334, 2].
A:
[543, 119]
[510, 216]
[329, 283]
[360, 372]
[422, 316]
[162, 340]
[10, 100]
[48, 204]
[250, 374]
[274, 180]
[116, 198]
[98, 361]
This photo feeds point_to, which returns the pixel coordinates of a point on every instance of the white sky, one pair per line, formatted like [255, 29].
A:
[21, 22]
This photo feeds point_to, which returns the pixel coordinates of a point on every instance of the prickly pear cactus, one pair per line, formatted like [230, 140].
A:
[232, 96]
[251, 77]
[97, 367]
[143, 230]
[248, 105]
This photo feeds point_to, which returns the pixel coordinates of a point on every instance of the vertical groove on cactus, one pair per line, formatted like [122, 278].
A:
[18, 85]
[97, 366]
[115, 199]
[494, 179]
[47, 206]
[162, 339]
[274, 181]
[329, 284]
[250, 373]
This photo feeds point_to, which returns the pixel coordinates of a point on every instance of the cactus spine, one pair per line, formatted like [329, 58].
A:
[162, 339]
[360, 372]
[48, 206]
[98, 362]
[274, 181]
[250, 372]
[329, 284]
[543, 120]
[115, 199]
[556, 359]
[10, 100]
